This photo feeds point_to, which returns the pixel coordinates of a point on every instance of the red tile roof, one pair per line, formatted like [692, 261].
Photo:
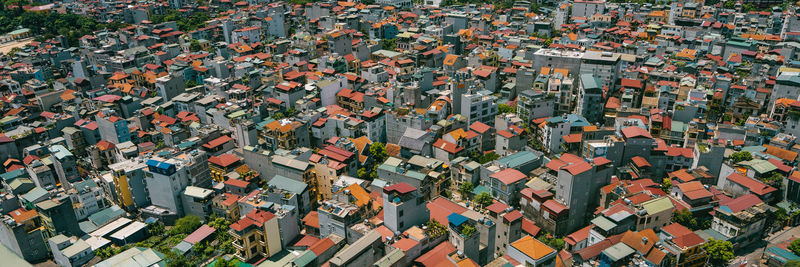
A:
[405, 244]
[579, 235]
[237, 183]
[479, 127]
[633, 132]
[755, 186]
[578, 168]
[200, 234]
[573, 138]
[231, 199]
[740, 203]
[217, 142]
[683, 175]
[224, 160]
[447, 146]
[529, 227]
[306, 241]
[640, 162]
[311, 219]
[554, 206]
[497, 207]
[438, 256]
[688, 240]
[508, 176]
[694, 190]
[555, 164]
[321, 246]
[512, 216]
[401, 188]
[440, 208]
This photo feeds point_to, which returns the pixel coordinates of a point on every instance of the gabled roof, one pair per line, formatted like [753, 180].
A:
[739, 204]
[438, 256]
[532, 248]
[634, 132]
[223, 160]
[508, 176]
[755, 186]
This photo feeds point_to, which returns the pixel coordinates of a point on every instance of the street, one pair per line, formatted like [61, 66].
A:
[753, 252]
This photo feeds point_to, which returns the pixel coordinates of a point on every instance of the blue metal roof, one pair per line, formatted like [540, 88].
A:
[782, 254]
[456, 219]
[159, 164]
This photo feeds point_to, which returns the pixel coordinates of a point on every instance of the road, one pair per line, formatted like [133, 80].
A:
[753, 252]
[6, 47]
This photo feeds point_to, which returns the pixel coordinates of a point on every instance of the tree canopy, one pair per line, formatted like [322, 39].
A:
[465, 189]
[71, 26]
[186, 225]
[795, 246]
[505, 108]
[719, 252]
[741, 156]
[484, 199]
[435, 228]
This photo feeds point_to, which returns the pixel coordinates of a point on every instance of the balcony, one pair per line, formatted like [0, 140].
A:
[237, 245]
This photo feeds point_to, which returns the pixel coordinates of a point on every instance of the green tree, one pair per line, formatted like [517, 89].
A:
[556, 243]
[719, 252]
[465, 189]
[279, 115]
[378, 152]
[666, 184]
[221, 262]
[792, 263]
[468, 230]
[488, 157]
[781, 216]
[729, 4]
[484, 199]
[685, 218]
[549, 240]
[177, 260]
[741, 156]
[795, 246]
[190, 84]
[505, 108]
[363, 173]
[775, 179]
[156, 229]
[389, 44]
[194, 45]
[186, 225]
[219, 223]
[435, 229]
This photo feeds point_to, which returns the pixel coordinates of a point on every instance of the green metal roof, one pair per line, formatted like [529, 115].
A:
[390, 259]
[603, 223]
[759, 165]
[618, 251]
[305, 259]
[105, 215]
[472, 165]
[657, 205]
[34, 194]
[517, 159]
[479, 189]
[19, 31]
[287, 184]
